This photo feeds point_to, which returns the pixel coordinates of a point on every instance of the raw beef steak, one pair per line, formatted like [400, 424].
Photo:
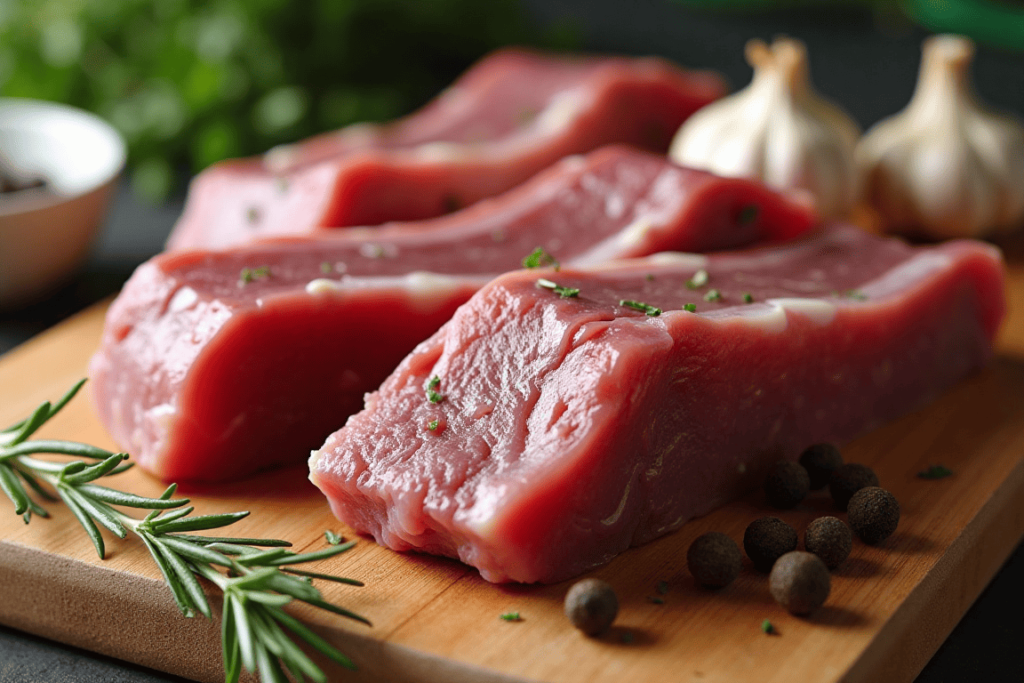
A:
[217, 364]
[509, 117]
[548, 427]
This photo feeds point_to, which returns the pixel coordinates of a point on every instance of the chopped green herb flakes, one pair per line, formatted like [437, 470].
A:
[511, 616]
[713, 295]
[935, 472]
[766, 627]
[855, 294]
[690, 308]
[662, 588]
[699, 279]
[539, 258]
[326, 268]
[748, 214]
[655, 600]
[432, 395]
[626, 637]
[641, 306]
[432, 425]
[564, 292]
[252, 274]
[748, 298]
[333, 538]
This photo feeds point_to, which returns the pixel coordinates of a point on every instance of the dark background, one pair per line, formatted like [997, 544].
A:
[862, 57]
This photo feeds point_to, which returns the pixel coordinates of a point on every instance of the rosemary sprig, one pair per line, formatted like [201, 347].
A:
[253, 574]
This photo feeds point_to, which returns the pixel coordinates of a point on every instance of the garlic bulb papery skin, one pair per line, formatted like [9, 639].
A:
[944, 166]
[777, 130]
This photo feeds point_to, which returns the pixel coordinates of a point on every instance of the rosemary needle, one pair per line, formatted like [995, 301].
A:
[253, 574]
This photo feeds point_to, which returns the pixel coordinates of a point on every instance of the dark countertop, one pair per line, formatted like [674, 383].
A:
[867, 65]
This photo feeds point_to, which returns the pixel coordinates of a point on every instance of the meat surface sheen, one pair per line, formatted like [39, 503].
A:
[206, 373]
[512, 115]
[573, 428]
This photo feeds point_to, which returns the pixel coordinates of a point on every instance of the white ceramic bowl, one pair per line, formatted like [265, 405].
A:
[45, 236]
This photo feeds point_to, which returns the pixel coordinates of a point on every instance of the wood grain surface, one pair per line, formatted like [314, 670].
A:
[435, 619]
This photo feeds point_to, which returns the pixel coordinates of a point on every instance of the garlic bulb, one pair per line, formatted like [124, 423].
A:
[777, 130]
[944, 166]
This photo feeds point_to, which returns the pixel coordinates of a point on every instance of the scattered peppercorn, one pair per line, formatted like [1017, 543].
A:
[874, 514]
[820, 461]
[800, 582]
[766, 540]
[846, 480]
[786, 485]
[591, 605]
[830, 539]
[714, 559]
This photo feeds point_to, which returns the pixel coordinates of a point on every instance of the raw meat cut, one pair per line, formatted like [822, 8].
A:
[217, 364]
[509, 117]
[569, 428]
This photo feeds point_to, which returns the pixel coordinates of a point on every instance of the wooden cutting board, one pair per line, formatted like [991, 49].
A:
[435, 619]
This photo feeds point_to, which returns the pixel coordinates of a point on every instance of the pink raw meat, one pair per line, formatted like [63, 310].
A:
[512, 115]
[202, 376]
[573, 428]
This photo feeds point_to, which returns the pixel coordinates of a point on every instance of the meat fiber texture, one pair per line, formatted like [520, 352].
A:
[217, 364]
[572, 428]
[510, 116]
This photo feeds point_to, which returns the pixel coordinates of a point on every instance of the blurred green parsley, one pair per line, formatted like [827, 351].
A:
[189, 83]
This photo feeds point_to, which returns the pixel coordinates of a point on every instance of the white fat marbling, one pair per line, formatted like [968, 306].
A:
[441, 152]
[563, 108]
[425, 283]
[614, 517]
[183, 299]
[679, 259]
[770, 316]
[819, 311]
[426, 290]
[149, 438]
[605, 256]
[574, 162]
[635, 233]
[314, 459]
[322, 285]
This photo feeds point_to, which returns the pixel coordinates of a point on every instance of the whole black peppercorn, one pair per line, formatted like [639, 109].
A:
[820, 461]
[591, 605]
[874, 514]
[714, 559]
[800, 582]
[766, 540]
[830, 539]
[846, 480]
[786, 485]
